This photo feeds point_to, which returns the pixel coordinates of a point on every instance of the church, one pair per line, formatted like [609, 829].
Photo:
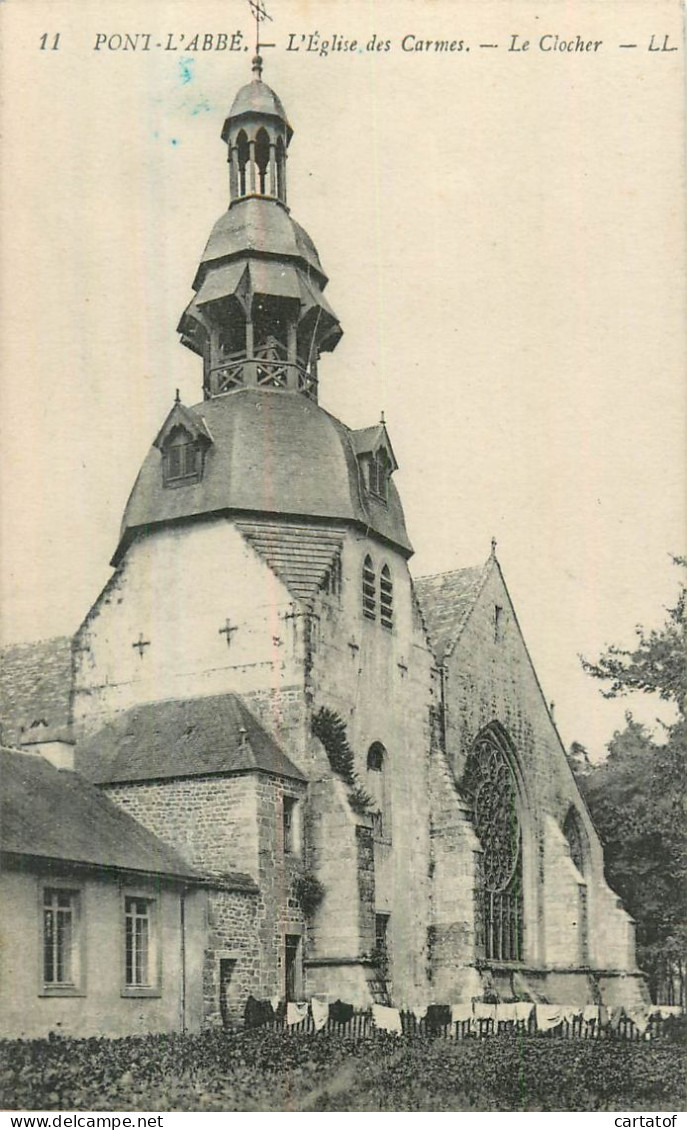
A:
[271, 762]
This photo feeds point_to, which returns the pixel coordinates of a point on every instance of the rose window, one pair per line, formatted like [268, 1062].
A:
[490, 788]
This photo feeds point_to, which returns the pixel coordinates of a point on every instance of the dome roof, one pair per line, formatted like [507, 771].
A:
[259, 225]
[272, 452]
[257, 97]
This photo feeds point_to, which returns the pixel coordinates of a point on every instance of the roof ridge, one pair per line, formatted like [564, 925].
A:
[451, 572]
[486, 570]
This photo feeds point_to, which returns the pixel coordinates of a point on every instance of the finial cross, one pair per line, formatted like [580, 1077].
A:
[140, 643]
[228, 631]
[260, 13]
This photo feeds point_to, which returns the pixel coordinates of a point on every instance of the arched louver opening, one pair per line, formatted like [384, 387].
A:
[262, 159]
[243, 154]
[386, 598]
[490, 787]
[369, 589]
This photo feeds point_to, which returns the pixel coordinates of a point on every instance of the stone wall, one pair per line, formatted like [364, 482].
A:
[223, 825]
[175, 590]
[380, 682]
[454, 876]
[489, 678]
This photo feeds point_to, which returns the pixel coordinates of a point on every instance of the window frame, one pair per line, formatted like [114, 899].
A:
[154, 986]
[290, 824]
[368, 588]
[386, 598]
[185, 476]
[379, 470]
[77, 986]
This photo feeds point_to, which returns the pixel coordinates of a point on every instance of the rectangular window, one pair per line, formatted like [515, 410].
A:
[181, 462]
[289, 824]
[382, 944]
[292, 970]
[498, 623]
[141, 972]
[60, 938]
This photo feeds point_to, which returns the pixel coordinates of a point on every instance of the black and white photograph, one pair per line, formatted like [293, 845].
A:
[343, 570]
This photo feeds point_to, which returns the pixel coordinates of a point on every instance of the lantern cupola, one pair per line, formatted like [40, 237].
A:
[259, 317]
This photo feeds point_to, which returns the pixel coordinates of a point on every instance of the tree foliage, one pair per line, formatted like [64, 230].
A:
[657, 665]
[638, 795]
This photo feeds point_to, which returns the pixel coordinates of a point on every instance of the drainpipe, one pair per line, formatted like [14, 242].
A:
[182, 925]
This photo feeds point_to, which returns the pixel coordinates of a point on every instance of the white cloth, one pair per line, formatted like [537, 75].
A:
[505, 1013]
[461, 1012]
[320, 1013]
[590, 1012]
[387, 1019]
[523, 1010]
[275, 1002]
[639, 1014]
[296, 1012]
[419, 1011]
[484, 1011]
[549, 1016]
[666, 1010]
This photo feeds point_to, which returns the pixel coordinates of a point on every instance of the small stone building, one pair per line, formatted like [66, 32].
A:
[264, 686]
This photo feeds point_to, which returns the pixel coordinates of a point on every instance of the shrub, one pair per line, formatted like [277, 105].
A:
[309, 891]
[330, 728]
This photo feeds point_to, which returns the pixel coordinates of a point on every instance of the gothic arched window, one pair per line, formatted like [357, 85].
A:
[378, 786]
[243, 153]
[369, 589]
[490, 787]
[386, 598]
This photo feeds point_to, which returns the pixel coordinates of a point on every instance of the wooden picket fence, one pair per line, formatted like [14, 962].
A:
[361, 1026]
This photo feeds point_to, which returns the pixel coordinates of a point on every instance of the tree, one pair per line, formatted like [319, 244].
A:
[638, 795]
[657, 665]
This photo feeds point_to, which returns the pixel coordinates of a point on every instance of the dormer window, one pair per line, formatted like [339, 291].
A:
[378, 471]
[181, 459]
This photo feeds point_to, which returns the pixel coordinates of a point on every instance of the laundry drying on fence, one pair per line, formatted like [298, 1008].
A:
[465, 1019]
[387, 1019]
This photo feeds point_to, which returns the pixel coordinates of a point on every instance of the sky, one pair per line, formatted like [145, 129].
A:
[504, 235]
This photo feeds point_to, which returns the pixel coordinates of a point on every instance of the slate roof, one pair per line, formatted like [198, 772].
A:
[55, 814]
[35, 688]
[262, 227]
[300, 555]
[256, 97]
[273, 452]
[446, 600]
[182, 738]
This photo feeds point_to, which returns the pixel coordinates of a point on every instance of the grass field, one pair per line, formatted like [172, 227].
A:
[282, 1071]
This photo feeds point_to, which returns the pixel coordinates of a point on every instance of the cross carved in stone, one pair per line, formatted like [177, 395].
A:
[228, 630]
[140, 643]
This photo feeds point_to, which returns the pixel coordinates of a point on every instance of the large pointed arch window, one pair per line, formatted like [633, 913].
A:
[489, 786]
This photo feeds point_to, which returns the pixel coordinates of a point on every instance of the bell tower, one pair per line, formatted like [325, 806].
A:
[259, 317]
